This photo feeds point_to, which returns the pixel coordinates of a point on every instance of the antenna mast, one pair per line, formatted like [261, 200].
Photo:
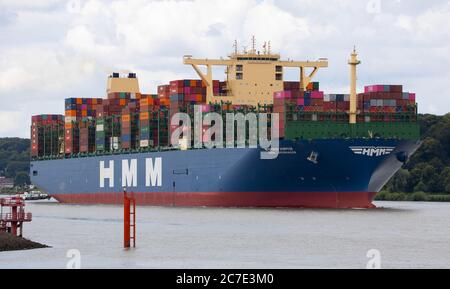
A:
[253, 44]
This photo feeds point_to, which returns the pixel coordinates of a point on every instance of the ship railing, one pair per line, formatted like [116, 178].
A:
[18, 217]
[13, 201]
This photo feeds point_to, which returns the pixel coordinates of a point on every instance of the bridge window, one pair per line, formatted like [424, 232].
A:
[278, 68]
[278, 76]
[239, 76]
[239, 67]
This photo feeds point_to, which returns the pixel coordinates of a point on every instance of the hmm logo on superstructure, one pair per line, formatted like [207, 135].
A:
[372, 151]
[153, 173]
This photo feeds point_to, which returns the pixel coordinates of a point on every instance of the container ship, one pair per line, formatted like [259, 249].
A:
[335, 150]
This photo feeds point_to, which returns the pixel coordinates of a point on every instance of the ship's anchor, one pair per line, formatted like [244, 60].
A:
[313, 157]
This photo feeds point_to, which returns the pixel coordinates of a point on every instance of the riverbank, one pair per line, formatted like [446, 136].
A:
[9, 242]
[412, 197]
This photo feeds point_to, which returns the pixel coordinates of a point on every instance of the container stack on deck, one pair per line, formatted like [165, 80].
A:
[132, 121]
[310, 100]
[47, 132]
[79, 113]
[387, 100]
[108, 120]
[129, 125]
[378, 103]
[148, 113]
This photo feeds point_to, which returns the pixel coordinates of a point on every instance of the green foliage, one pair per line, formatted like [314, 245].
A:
[387, 196]
[15, 159]
[21, 179]
[438, 198]
[428, 170]
[418, 197]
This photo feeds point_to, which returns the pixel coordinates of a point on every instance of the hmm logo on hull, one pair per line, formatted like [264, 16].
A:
[372, 151]
[153, 173]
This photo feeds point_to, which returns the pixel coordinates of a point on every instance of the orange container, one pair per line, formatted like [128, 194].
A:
[71, 113]
[193, 83]
[68, 125]
[125, 118]
[79, 101]
[146, 101]
[164, 101]
[122, 102]
[143, 115]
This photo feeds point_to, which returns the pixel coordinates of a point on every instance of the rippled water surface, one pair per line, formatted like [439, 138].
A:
[407, 235]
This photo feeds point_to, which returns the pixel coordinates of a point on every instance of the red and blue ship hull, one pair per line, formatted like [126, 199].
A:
[347, 173]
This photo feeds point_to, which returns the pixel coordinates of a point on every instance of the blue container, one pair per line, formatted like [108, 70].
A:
[339, 97]
[177, 97]
[70, 101]
[307, 101]
[126, 138]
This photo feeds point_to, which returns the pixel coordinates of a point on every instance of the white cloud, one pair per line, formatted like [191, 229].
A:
[27, 3]
[56, 49]
[11, 123]
[404, 22]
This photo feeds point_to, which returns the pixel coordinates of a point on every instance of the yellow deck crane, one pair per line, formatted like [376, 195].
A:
[253, 76]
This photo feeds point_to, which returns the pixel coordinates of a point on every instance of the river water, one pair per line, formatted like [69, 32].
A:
[406, 235]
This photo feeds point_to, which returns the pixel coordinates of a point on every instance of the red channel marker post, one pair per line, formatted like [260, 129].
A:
[129, 208]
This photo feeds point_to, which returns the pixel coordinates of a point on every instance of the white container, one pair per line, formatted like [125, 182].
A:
[70, 119]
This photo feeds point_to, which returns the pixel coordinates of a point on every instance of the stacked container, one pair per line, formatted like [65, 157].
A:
[87, 136]
[147, 128]
[386, 99]
[78, 110]
[47, 132]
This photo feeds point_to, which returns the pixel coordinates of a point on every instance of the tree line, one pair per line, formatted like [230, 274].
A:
[428, 170]
[15, 159]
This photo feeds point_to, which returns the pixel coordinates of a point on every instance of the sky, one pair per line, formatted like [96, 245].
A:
[54, 49]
